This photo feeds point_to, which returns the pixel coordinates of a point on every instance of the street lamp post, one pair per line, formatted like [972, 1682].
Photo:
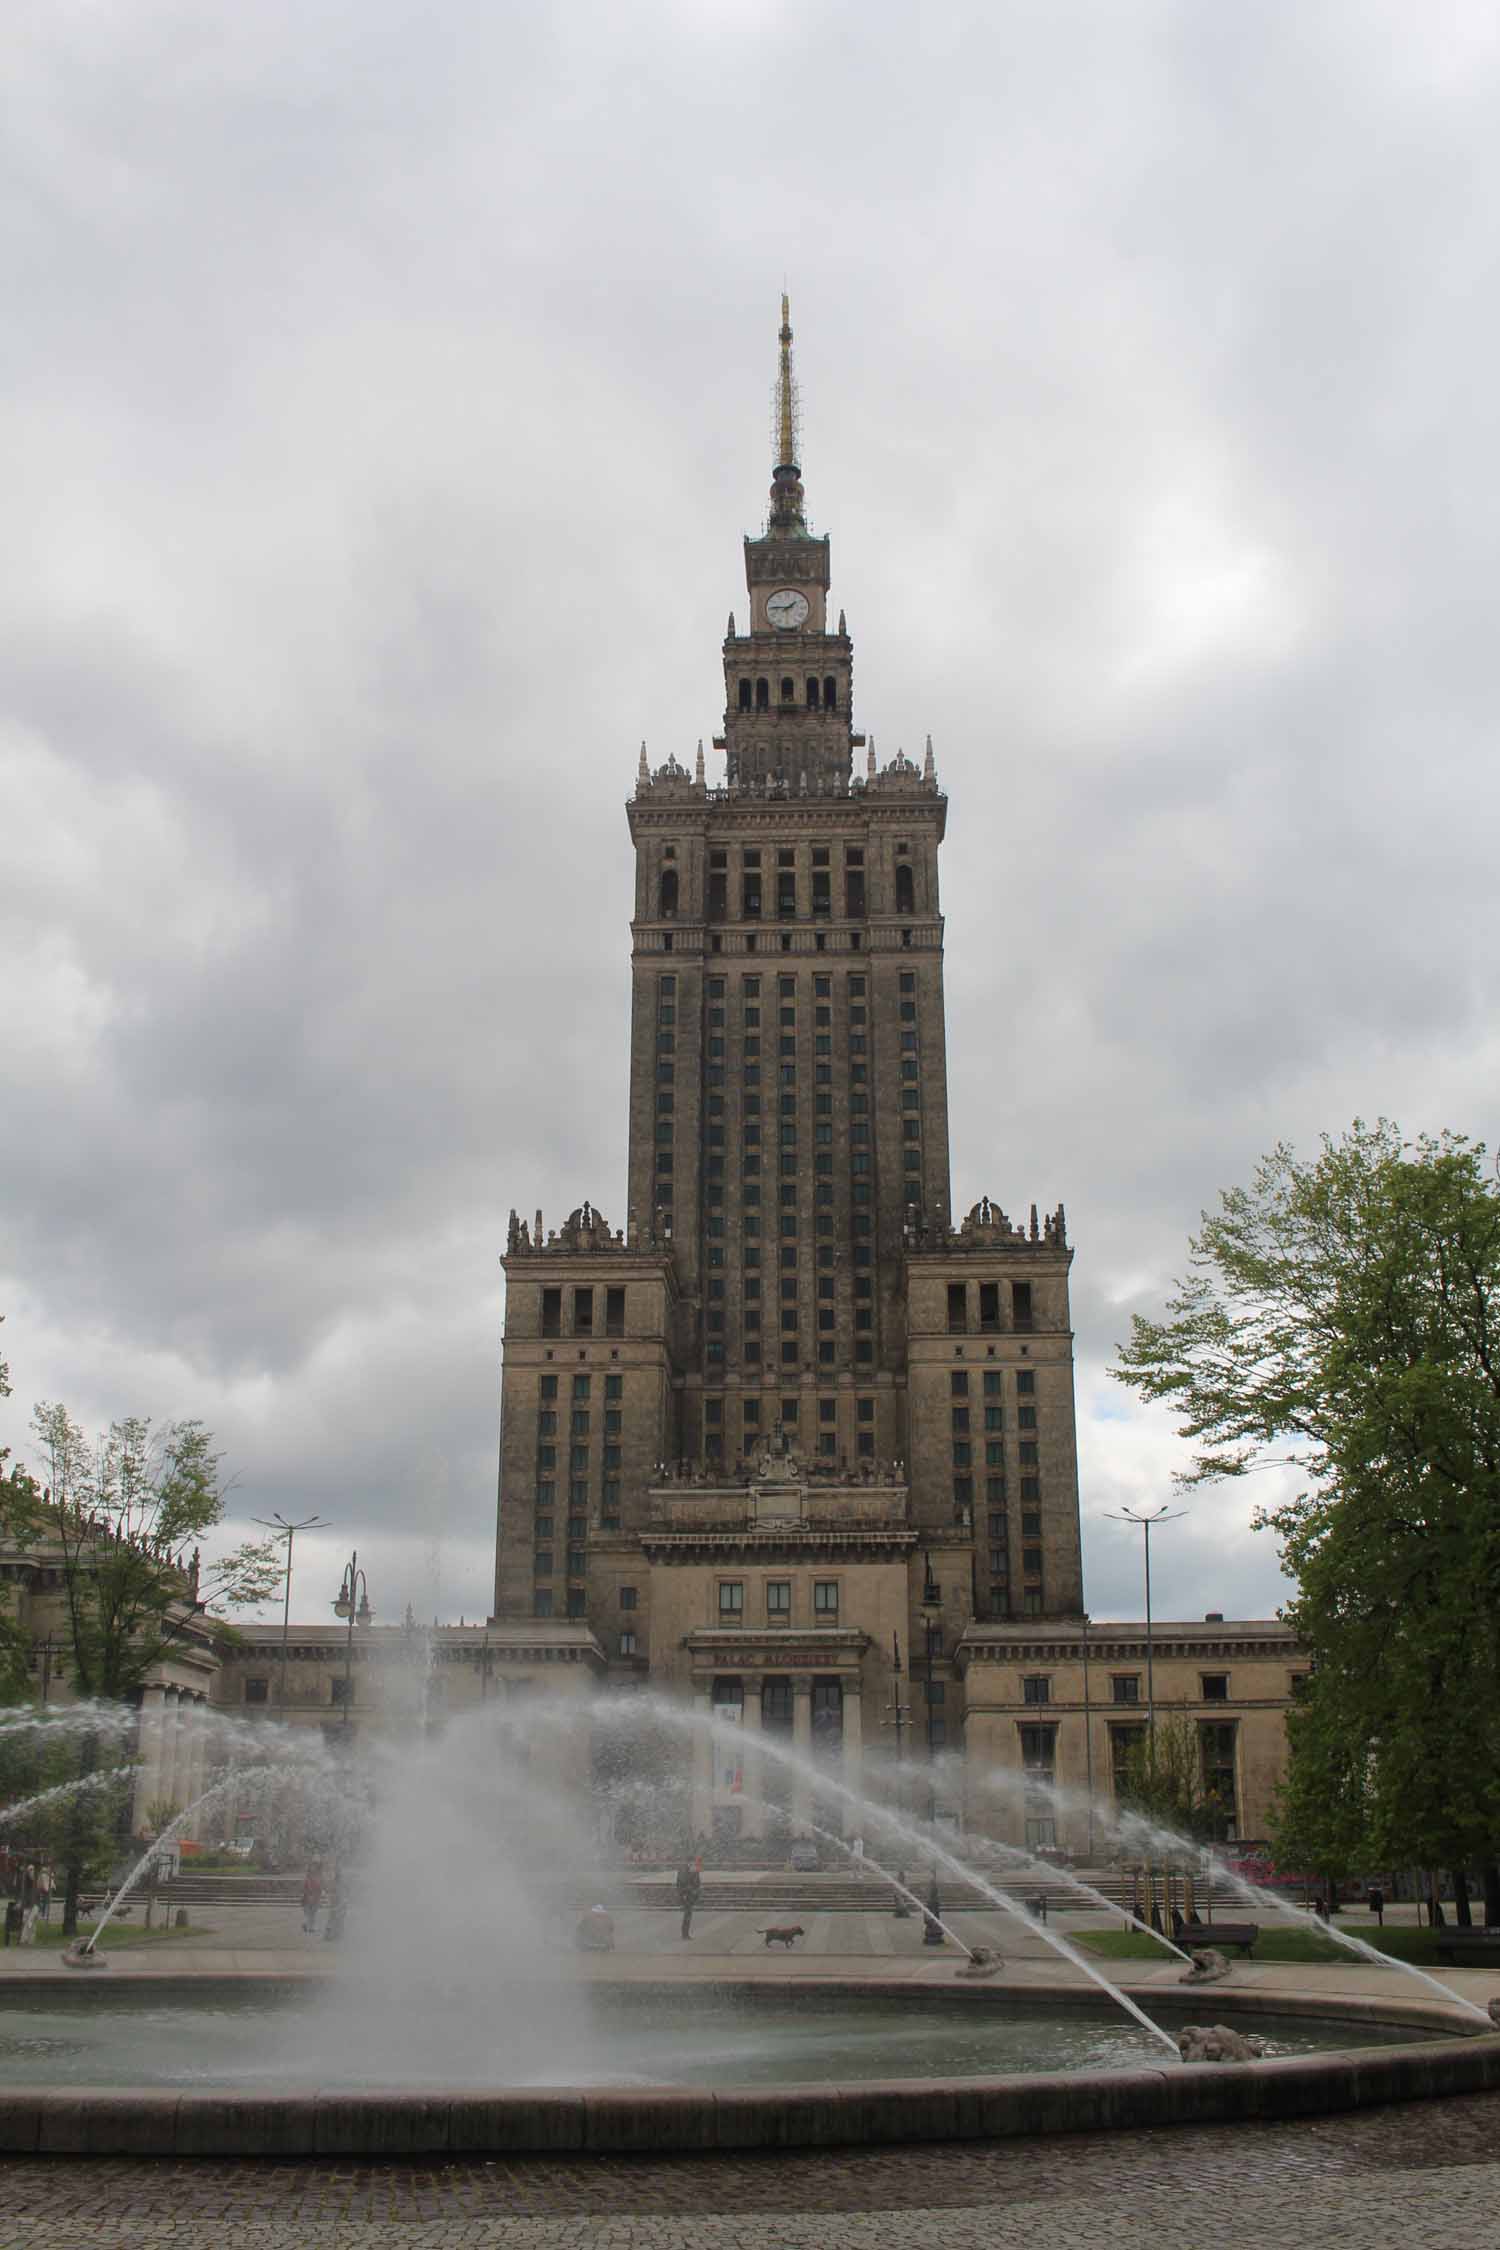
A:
[354, 1604]
[932, 1630]
[282, 1529]
[1148, 1519]
[896, 1712]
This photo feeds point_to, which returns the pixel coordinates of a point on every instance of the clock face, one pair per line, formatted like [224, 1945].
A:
[787, 610]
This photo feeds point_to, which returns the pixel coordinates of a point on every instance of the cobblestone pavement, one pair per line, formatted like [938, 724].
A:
[1421, 2177]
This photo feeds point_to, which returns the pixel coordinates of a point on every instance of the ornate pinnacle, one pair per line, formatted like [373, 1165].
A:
[698, 771]
[643, 771]
[929, 770]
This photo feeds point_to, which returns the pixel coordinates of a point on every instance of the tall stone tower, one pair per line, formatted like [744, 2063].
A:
[789, 1420]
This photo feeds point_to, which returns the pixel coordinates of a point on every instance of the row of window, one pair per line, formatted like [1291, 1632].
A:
[1125, 1687]
[776, 1594]
[583, 1311]
[819, 693]
[961, 1308]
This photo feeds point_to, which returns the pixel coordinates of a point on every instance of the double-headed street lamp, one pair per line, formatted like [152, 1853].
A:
[277, 1524]
[354, 1604]
[1148, 1519]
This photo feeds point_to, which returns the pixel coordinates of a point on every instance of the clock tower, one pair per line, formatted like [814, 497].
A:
[787, 680]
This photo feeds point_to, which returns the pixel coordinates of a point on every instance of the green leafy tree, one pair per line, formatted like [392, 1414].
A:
[1162, 1779]
[123, 1516]
[1343, 1316]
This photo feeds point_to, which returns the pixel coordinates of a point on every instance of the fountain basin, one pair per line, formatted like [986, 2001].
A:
[1357, 2052]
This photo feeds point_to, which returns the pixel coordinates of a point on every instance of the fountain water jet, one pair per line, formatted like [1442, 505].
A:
[823, 1784]
[1164, 1839]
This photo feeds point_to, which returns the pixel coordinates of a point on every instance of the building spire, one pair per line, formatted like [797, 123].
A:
[786, 482]
[786, 394]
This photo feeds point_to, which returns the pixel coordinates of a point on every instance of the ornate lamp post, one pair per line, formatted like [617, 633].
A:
[354, 1604]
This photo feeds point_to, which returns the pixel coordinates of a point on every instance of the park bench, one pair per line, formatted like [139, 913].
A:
[1237, 1937]
[1469, 1949]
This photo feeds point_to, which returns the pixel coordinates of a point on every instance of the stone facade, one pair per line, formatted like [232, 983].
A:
[1067, 1701]
[173, 1745]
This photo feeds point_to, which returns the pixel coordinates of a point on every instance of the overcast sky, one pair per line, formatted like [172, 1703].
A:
[384, 392]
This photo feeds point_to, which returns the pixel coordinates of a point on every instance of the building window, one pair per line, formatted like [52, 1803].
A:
[541, 1602]
[341, 1691]
[989, 1306]
[627, 1597]
[552, 1312]
[731, 1600]
[1020, 1304]
[1215, 1687]
[827, 1712]
[958, 1309]
[1217, 1746]
[627, 1644]
[1126, 1688]
[779, 1600]
[257, 1691]
[825, 1598]
[1036, 1688]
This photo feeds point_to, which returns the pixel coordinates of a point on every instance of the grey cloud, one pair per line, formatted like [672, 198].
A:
[390, 401]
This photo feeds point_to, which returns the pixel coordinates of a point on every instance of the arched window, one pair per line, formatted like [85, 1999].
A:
[762, 695]
[812, 695]
[830, 695]
[668, 891]
[906, 901]
[744, 695]
[788, 691]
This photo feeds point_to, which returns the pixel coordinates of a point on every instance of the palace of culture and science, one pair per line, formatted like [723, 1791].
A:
[789, 1418]
[790, 1437]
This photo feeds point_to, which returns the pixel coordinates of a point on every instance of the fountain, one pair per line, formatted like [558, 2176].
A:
[457, 2013]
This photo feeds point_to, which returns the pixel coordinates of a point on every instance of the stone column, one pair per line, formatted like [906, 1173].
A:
[703, 1761]
[150, 1746]
[170, 1734]
[198, 1765]
[802, 1794]
[854, 1744]
[752, 1765]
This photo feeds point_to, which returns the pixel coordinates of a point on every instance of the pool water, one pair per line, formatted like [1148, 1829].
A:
[272, 2038]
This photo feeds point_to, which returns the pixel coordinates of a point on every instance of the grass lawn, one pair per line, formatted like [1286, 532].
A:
[49, 1937]
[1278, 1942]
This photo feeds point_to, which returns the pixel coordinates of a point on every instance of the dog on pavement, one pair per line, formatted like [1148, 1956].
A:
[783, 1933]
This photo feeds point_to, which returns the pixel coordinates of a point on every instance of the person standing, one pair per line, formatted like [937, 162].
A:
[689, 1891]
[312, 1897]
[44, 1892]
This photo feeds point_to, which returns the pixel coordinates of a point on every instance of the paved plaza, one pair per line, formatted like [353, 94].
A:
[1424, 2176]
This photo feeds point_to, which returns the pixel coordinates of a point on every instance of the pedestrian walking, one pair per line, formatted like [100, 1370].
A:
[689, 1891]
[1375, 1900]
[44, 1892]
[312, 1898]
